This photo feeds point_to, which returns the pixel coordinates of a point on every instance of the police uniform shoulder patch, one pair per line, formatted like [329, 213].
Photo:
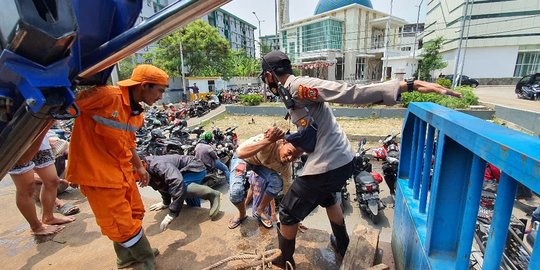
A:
[305, 92]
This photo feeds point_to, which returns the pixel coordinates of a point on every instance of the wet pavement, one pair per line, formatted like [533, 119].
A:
[192, 241]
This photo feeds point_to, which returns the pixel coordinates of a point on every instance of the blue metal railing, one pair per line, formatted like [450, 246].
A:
[435, 215]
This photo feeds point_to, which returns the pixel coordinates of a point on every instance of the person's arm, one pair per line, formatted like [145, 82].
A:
[212, 153]
[256, 144]
[314, 89]
[175, 185]
[139, 168]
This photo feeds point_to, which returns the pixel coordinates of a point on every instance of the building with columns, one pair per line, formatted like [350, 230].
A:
[503, 37]
[344, 40]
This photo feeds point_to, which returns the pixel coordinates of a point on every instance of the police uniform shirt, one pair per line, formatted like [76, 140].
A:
[333, 149]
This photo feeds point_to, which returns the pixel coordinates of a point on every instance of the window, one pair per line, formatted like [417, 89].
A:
[525, 79]
[360, 67]
[323, 35]
[339, 69]
[527, 63]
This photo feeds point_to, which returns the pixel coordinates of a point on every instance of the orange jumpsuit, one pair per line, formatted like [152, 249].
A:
[100, 160]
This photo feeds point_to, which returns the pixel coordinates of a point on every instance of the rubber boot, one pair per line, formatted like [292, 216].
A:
[124, 258]
[287, 250]
[209, 194]
[143, 253]
[339, 239]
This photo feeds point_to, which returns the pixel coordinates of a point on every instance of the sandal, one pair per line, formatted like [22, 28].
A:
[266, 222]
[235, 222]
[68, 209]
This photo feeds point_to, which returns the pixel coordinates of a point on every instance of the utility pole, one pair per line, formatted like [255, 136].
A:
[186, 91]
[466, 42]
[260, 43]
[456, 64]
[275, 15]
[415, 40]
[386, 41]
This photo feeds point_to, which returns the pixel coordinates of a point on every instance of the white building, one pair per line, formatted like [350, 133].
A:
[344, 40]
[503, 36]
[238, 32]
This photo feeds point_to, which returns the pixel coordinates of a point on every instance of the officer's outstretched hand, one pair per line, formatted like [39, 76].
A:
[158, 206]
[428, 87]
[273, 134]
[166, 221]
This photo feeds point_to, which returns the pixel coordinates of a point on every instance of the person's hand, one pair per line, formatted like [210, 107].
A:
[158, 206]
[273, 134]
[428, 87]
[166, 221]
[144, 177]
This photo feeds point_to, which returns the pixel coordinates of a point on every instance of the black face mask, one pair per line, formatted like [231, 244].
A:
[274, 88]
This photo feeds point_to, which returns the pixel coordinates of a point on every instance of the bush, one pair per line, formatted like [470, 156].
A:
[251, 99]
[467, 98]
[444, 82]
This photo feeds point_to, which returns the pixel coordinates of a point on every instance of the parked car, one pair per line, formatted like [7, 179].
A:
[465, 80]
[529, 87]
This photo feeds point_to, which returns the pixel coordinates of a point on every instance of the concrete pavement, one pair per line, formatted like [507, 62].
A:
[504, 96]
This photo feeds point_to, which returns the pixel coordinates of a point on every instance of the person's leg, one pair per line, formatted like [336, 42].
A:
[114, 215]
[24, 184]
[222, 167]
[206, 193]
[50, 182]
[237, 192]
[274, 186]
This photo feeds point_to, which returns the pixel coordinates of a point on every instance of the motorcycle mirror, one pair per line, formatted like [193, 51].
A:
[364, 141]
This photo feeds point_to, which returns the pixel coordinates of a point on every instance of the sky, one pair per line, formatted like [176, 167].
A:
[300, 9]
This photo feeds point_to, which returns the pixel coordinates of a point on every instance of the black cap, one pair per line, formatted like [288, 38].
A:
[278, 61]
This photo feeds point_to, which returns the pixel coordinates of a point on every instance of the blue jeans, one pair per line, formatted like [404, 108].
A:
[193, 177]
[222, 167]
[238, 180]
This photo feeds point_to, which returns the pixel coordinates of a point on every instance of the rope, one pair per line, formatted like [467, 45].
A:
[257, 260]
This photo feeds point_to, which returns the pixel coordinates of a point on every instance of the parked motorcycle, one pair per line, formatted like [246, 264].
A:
[367, 184]
[389, 153]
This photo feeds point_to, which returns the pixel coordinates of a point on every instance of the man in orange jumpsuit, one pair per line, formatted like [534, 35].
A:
[102, 158]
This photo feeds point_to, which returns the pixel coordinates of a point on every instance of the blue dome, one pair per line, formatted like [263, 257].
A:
[327, 5]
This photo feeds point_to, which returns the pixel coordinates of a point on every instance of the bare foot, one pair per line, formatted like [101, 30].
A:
[58, 220]
[47, 230]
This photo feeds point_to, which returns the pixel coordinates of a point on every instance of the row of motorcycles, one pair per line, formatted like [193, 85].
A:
[367, 181]
[176, 138]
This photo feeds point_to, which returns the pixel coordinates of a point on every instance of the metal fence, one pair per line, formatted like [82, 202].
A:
[443, 159]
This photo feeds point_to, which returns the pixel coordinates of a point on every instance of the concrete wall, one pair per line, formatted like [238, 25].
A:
[345, 112]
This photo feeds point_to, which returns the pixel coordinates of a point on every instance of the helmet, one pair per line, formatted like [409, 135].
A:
[207, 136]
[156, 133]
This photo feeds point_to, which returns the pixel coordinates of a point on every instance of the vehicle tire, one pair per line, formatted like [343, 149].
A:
[474, 85]
[374, 218]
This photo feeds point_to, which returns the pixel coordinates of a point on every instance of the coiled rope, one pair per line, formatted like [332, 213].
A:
[258, 260]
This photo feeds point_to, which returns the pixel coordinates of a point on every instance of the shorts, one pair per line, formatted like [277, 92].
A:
[239, 184]
[42, 159]
[309, 191]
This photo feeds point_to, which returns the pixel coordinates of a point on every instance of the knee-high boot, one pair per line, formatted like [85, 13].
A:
[339, 239]
[142, 252]
[209, 194]
[287, 248]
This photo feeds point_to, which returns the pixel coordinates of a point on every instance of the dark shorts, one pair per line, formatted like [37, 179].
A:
[310, 191]
[41, 159]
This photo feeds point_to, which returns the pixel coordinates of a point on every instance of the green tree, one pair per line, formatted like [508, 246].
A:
[206, 53]
[432, 59]
[242, 65]
[125, 68]
[265, 48]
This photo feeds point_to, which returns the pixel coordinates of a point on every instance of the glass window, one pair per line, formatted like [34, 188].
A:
[339, 69]
[525, 79]
[360, 67]
[323, 35]
[527, 63]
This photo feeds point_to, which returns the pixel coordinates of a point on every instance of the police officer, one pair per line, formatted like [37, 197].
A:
[330, 154]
